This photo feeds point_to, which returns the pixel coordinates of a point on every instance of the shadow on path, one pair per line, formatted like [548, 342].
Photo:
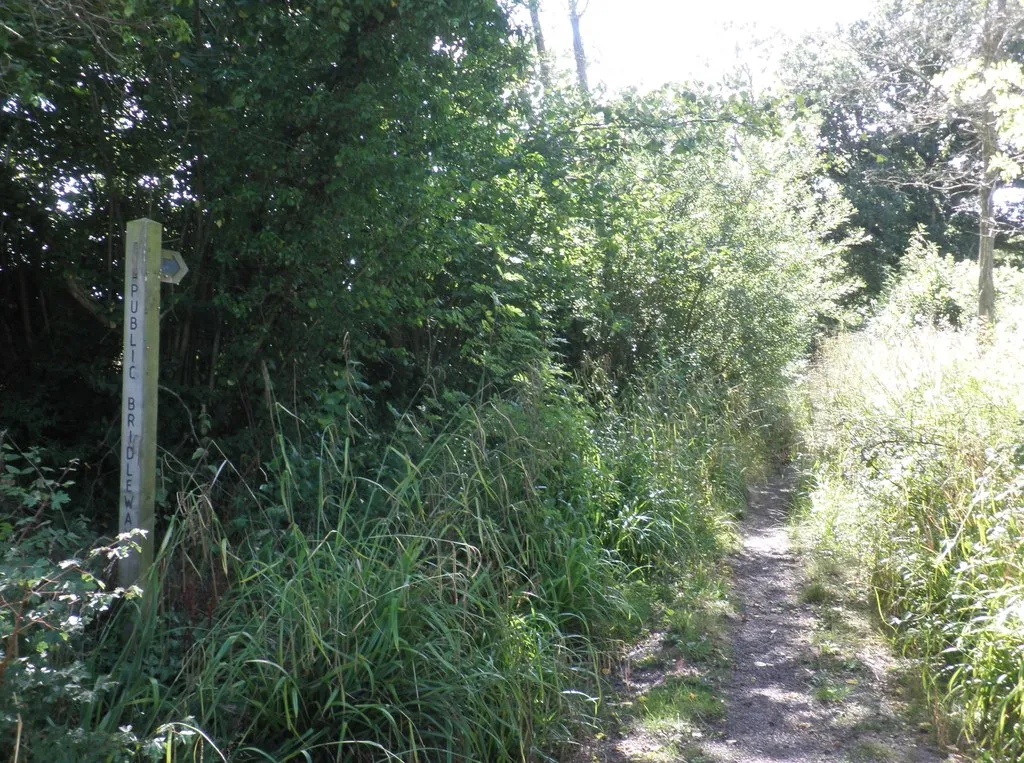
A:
[772, 711]
[790, 695]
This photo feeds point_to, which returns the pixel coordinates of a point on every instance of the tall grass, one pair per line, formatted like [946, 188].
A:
[915, 431]
[457, 603]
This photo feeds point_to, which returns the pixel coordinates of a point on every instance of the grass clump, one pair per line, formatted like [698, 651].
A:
[873, 752]
[457, 605]
[915, 432]
[458, 602]
[680, 702]
[816, 592]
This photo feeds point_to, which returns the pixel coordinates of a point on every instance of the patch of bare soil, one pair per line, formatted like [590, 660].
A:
[797, 691]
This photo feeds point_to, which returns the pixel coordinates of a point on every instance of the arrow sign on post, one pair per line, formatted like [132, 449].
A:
[172, 267]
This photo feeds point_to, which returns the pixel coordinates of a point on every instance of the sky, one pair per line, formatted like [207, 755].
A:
[645, 43]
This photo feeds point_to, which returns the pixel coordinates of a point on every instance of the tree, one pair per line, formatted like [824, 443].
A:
[701, 233]
[920, 114]
[577, 46]
[982, 90]
[871, 152]
[976, 91]
[340, 175]
[538, 39]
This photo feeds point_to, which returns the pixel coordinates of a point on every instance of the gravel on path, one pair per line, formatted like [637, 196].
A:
[773, 714]
[790, 694]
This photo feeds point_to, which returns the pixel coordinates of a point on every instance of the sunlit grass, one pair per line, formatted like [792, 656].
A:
[681, 704]
[461, 601]
[914, 437]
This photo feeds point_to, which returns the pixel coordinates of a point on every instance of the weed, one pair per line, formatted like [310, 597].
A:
[816, 592]
[679, 702]
[914, 494]
[827, 689]
[873, 752]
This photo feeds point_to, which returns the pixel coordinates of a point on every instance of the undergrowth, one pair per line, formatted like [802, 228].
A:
[456, 603]
[914, 432]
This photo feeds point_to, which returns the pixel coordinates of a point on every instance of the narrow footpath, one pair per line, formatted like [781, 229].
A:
[786, 701]
[796, 691]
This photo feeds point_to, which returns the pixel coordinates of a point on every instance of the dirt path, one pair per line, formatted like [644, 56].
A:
[797, 691]
[786, 700]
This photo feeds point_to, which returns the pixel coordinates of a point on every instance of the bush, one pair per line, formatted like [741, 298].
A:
[456, 603]
[51, 591]
[933, 288]
[917, 436]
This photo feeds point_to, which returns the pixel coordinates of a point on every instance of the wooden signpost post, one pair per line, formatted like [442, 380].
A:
[146, 264]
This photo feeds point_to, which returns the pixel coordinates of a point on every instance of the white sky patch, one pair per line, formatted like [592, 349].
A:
[645, 43]
[1011, 195]
[1009, 200]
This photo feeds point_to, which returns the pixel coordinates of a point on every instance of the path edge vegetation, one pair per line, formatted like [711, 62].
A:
[911, 434]
[467, 358]
[461, 600]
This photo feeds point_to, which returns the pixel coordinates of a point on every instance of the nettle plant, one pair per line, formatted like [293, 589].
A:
[50, 591]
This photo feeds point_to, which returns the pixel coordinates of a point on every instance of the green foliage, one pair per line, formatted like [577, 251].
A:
[344, 183]
[905, 156]
[923, 292]
[459, 602]
[679, 448]
[401, 250]
[711, 244]
[917, 436]
[933, 288]
[456, 606]
[377, 208]
[51, 592]
[679, 700]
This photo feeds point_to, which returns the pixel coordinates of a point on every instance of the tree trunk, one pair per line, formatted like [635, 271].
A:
[577, 46]
[986, 251]
[995, 28]
[26, 315]
[538, 38]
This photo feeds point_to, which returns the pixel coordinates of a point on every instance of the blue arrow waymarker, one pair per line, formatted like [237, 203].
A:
[172, 267]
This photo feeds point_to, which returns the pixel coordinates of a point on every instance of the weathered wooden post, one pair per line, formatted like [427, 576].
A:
[145, 266]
